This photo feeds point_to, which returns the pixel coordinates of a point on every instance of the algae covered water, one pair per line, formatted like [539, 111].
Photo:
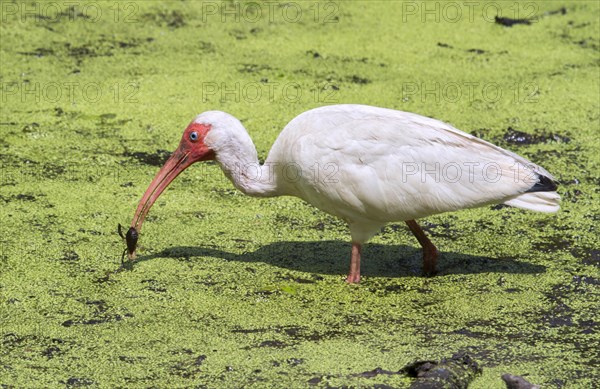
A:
[231, 291]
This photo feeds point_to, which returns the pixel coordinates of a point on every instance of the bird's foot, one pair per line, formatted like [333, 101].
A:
[353, 278]
[430, 257]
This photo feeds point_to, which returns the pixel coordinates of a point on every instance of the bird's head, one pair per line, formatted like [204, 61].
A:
[210, 134]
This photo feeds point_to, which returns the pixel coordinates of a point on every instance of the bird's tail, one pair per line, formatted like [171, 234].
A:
[542, 197]
[537, 201]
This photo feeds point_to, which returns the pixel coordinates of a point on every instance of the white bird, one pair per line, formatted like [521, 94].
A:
[366, 165]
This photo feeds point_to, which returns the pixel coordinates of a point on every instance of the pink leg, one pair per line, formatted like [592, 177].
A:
[430, 253]
[354, 274]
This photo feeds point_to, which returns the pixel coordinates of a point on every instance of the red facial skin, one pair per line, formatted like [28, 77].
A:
[188, 152]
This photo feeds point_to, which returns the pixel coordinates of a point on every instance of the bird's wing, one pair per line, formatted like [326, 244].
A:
[385, 165]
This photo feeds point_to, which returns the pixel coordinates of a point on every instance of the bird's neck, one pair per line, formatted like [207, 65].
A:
[240, 164]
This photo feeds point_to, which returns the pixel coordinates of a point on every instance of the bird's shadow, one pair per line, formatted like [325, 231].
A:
[333, 257]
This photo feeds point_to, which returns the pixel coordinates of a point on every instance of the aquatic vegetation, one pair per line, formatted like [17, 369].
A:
[233, 291]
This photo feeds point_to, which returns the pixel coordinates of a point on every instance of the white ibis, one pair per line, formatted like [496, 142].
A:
[366, 165]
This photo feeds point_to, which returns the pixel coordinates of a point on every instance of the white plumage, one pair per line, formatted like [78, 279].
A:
[370, 166]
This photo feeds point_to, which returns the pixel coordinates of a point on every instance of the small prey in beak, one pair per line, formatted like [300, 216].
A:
[130, 238]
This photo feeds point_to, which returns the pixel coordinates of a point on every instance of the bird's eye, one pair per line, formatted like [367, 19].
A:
[193, 136]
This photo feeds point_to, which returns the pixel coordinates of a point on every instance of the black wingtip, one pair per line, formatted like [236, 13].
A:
[544, 184]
